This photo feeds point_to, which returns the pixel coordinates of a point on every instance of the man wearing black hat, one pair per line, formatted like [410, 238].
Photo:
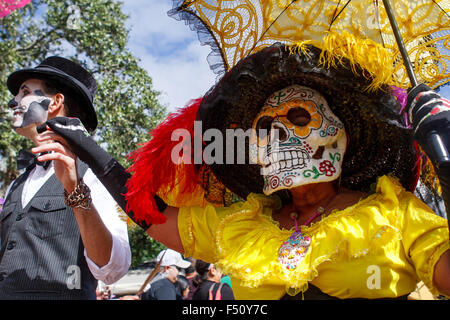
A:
[60, 233]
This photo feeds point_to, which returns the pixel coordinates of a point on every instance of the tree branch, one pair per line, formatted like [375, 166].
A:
[31, 46]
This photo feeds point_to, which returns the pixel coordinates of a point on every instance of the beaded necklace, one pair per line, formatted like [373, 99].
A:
[293, 250]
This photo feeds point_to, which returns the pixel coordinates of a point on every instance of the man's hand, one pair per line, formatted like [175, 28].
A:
[64, 160]
[73, 136]
[81, 143]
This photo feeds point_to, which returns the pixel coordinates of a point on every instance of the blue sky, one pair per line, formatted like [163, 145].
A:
[169, 51]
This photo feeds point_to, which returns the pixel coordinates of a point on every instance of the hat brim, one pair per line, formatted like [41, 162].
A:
[83, 95]
[371, 119]
[183, 264]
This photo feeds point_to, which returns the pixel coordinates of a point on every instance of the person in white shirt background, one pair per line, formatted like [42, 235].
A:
[57, 245]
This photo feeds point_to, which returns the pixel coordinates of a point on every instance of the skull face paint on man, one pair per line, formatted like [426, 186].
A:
[298, 139]
[30, 105]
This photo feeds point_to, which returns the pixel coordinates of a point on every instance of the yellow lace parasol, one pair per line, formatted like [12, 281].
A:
[242, 27]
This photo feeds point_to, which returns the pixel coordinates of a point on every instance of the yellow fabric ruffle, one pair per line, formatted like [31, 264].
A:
[390, 232]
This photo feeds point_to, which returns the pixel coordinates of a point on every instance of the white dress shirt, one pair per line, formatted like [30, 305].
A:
[108, 210]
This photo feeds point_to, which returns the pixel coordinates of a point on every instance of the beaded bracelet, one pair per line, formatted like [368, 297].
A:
[80, 197]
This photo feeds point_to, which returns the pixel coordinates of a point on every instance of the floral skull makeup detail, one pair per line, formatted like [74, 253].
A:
[30, 106]
[297, 139]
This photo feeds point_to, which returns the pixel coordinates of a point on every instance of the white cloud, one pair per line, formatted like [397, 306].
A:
[149, 17]
[169, 51]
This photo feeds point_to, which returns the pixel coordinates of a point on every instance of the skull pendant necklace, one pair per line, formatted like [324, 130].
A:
[293, 250]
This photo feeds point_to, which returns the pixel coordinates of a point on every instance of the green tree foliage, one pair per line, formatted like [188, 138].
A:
[93, 33]
[144, 248]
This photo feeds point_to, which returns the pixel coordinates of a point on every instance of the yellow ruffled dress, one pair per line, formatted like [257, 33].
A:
[378, 248]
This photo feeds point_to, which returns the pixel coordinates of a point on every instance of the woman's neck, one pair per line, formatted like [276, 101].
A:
[306, 200]
[309, 197]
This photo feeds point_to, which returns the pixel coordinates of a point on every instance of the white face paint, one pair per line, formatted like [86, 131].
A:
[297, 140]
[30, 105]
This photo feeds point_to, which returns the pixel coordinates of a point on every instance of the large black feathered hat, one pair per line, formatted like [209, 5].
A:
[70, 75]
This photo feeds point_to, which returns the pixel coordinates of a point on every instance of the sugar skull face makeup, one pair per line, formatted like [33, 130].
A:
[297, 139]
[30, 105]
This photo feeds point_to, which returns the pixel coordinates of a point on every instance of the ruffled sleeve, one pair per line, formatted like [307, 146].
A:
[203, 220]
[201, 227]
[425, 236]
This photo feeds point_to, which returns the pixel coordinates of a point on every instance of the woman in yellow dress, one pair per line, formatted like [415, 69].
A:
[322, 205]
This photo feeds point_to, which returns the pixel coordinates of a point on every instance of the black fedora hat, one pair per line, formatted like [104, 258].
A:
[69, 75]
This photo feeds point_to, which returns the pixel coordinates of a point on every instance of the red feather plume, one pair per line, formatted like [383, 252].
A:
[153, 168]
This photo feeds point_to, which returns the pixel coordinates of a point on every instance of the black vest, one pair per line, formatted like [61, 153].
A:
[41, 252]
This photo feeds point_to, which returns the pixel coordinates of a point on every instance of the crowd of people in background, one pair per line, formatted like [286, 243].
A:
[179, 279]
